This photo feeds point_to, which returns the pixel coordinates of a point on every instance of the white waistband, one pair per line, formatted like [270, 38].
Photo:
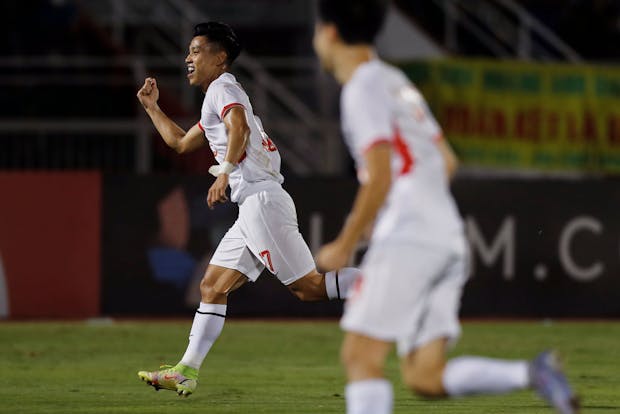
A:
[253, 188]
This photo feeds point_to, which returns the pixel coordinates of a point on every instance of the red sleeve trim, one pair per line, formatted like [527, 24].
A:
[200, 126]
[242, 158]
[378, 141]
[228, 107]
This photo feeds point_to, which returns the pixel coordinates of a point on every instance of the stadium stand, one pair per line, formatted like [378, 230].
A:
[93, 54]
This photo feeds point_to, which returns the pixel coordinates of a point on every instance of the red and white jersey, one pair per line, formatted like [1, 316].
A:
[259, 166]
[379, 104]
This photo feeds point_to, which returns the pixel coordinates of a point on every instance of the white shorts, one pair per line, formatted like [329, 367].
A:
[408, 294]
[266, 235]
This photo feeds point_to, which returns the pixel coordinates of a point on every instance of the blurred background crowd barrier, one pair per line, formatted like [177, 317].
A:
[99, 217]
[83, 244]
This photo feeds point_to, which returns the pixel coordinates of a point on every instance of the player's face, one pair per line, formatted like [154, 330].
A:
[204, 62]
[322, 43]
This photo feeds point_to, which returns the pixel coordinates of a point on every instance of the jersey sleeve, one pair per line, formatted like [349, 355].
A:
[368, 118]
[223, 97]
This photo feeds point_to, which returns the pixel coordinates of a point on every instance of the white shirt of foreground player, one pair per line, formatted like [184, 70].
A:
[259, 167]
[380, 105]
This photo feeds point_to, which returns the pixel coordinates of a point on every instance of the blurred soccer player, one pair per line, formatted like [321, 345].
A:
[415, 267]
[266, 233]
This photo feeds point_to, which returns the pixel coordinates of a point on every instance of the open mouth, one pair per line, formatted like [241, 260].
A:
[190, 71]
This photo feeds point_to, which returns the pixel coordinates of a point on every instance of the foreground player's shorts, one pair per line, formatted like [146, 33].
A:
[266, 235]
[409, 294]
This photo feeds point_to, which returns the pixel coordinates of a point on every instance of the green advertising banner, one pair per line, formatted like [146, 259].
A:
[544, 117]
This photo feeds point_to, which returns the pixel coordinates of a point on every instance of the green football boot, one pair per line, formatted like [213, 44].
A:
[179, 378]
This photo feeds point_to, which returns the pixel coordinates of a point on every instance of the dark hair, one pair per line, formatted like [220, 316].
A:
[357, 21]
[222, 35]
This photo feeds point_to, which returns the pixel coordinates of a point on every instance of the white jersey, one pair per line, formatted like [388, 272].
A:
[379, 104]
[259, 166]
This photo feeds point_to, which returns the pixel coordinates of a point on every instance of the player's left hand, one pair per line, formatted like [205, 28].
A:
[332, 256]
[217, 192]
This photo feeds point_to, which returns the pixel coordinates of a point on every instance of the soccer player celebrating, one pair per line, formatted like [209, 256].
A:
[415, 267]
[266, 233]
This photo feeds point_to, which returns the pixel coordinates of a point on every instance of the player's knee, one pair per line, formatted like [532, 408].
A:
[210, 291]
[425, 381]
[349, 356]
[357, 361]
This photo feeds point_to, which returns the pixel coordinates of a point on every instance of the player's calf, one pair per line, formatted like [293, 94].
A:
[363, 357]
[310, 288]
[332, 285]
[426, 382]
[422, 369]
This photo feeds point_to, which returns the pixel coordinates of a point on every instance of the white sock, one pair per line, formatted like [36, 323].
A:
[339, 282]
[373, 396]
[473, 375]
[207, 326]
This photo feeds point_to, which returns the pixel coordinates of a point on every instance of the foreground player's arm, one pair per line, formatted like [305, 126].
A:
[370, 197]
[450, 159]
[238, 137]
[238, 134]
[174, 136]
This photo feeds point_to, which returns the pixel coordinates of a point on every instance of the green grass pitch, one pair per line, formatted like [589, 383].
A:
[269, 367]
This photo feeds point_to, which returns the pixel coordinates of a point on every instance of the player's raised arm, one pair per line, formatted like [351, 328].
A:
[174, 136]
[370, 197]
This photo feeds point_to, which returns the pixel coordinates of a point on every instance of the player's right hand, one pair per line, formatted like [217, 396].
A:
[148, 95]
[217, 192]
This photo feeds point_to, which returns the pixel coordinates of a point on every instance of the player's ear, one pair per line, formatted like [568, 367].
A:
[221, 58]
[330, 31]
[325, 35]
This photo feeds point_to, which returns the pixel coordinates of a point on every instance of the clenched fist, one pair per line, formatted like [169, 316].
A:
[148, 94]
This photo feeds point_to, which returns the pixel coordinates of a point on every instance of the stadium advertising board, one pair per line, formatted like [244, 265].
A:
[49, 245]
[546, 117]
[542, 248]
[539, 248]
[159, 235]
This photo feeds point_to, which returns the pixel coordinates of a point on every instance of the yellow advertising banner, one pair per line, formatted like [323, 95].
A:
[544, 117]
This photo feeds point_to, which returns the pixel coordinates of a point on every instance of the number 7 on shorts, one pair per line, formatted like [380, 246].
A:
[265, 254]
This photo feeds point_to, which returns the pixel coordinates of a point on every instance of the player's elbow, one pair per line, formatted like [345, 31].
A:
[182, 145]
[180, 149]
